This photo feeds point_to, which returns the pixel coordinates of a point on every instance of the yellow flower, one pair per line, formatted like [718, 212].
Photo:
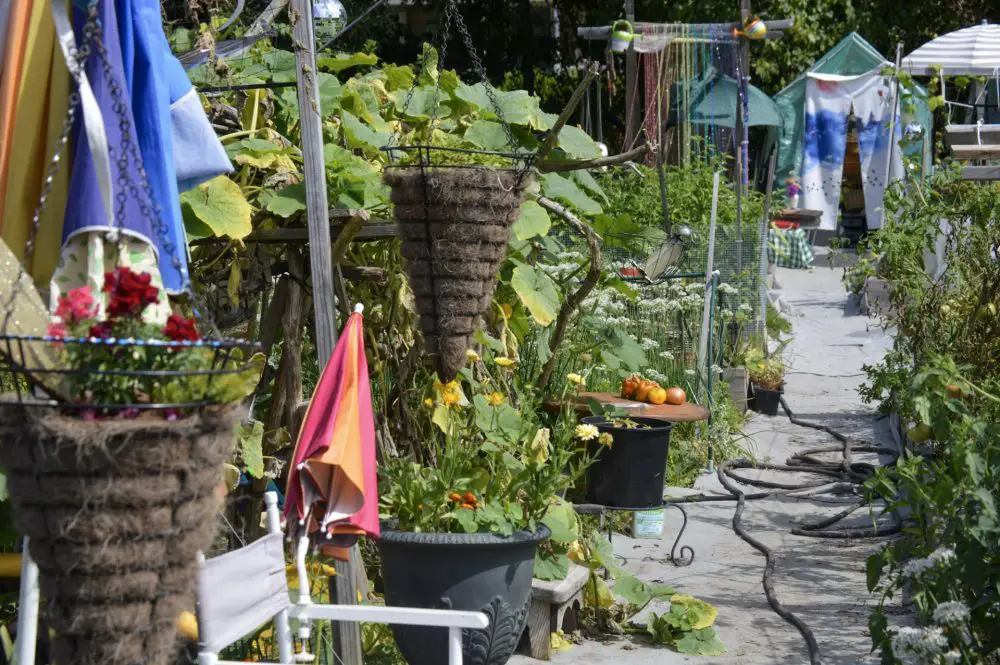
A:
[429, 403]
[576, 552]
[540, 446]
[443, 388]
[452, 397]
[576, 379]
[606, 439]
[495, 399]
[586, 432]
[504, 362]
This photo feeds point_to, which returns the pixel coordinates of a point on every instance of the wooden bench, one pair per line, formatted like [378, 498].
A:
[554, 606]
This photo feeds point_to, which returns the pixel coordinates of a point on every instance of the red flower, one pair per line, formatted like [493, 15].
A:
[103, 330]
[180, 329]
[131, 292]
[57, 330]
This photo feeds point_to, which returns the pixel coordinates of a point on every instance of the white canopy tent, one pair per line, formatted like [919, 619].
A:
[973, 51]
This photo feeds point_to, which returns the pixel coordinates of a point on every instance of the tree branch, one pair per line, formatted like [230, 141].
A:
[631, 156]
[574, 101]
[575, 299]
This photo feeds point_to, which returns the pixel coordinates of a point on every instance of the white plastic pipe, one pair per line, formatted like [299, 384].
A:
[454, 646]
[282, 628]
[27, 611]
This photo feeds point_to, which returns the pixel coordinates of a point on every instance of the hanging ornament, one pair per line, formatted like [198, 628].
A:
[753, 28]
[621, 36]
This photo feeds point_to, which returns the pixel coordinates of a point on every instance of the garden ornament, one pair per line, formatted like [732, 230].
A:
[621, 36]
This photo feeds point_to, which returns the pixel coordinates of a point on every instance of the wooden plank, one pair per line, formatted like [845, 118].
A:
[971, 135]
[976, 151]
[981, 173]
[683, 413]
[347, 634]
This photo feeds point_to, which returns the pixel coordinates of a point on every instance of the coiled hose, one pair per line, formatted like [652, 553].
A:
[846, 477]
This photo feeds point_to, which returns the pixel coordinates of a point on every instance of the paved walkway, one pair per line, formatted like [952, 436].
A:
[821, 580]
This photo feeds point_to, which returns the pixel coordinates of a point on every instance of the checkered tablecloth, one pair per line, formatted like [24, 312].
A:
[789, 248]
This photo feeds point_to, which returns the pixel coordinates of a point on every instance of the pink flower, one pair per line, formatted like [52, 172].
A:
[57, 330]
[77, 305]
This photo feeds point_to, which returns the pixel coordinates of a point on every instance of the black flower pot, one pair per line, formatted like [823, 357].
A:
[473, 572]
[765, 401]
[630, 473]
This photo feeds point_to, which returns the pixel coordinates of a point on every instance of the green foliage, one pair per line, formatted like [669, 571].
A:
[942, 377]
[687, 627]
[777, 325]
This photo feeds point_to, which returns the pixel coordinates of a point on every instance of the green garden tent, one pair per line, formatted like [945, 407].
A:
[851, 57]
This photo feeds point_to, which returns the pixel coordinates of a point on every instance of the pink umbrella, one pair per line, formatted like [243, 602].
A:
[332, 486]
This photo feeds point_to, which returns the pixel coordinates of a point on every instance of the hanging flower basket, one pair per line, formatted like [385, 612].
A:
[455, 223]
[116, 512]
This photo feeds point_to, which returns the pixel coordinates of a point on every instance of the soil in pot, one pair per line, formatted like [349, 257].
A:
[765, 401]
[631, 472]
[475, 572]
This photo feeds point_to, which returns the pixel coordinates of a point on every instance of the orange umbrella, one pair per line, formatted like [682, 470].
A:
[332, 486]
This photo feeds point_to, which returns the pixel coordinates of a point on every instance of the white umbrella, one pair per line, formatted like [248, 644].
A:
[973, 51]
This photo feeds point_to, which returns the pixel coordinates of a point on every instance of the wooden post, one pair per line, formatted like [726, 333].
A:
[892, 125]
[631, 84]
[348, 635]
[764, 225]
[742, 134]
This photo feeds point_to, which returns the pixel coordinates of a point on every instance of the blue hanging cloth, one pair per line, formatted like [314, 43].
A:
[179, 147]
[85, 211]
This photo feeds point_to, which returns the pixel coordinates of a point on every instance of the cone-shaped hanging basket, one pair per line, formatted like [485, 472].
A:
[116, 512]
[455, 224]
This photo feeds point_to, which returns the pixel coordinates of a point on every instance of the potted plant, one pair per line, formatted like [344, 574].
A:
[631, 460]
[118, 480]
[461, 530]
[767, 380]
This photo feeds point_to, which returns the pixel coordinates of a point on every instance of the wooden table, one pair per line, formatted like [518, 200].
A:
[684, 413]
[808, 220]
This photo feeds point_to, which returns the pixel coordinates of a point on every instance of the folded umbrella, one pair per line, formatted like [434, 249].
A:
[332, 485]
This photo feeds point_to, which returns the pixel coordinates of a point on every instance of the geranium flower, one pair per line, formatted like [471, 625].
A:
[57, 329]
[77, 305]
[102, 330]
[180, 329]
[131, 292]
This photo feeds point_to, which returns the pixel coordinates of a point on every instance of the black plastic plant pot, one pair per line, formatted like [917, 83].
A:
[630, 473]
[475, 572]
[765, 401]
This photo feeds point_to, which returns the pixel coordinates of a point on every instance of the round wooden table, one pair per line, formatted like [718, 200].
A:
[683, 413]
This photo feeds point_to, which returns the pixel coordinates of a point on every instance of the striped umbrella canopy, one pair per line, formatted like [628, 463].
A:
[332, 484]
[973, 51]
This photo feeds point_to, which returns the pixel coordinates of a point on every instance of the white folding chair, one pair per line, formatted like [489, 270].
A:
[240, 591]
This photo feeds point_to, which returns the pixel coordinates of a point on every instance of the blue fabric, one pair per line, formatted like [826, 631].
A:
[198, 153]
[85, 210]
[148, 70]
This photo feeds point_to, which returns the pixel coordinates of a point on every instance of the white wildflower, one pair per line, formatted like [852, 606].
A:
[716, 369]
[690, 372]
[655, 375]
[942, 555]
[728, 289]
[666, 355]
[916, 567]
[650, 344]
[950, 613]
[586, 432]
[745, 307]
[953, 657]
[919, 645]
[694, 287]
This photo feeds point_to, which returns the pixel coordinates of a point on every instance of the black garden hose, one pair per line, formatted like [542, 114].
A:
[845, 476]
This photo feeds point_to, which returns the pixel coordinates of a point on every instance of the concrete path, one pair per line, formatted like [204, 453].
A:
[821, 580]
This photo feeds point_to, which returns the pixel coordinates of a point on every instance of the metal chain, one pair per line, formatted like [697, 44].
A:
[449, 13]
[477, 65]
[79, 56]
[148, 206]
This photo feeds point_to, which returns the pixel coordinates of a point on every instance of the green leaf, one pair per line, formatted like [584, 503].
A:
[342, 61]
[533, 221]
[252, 449]
[487, 135]
[491, 343]
[558, 187]
[627, 349]
[550, 566]
[699, 613]
[587, 181]
[702, 642]
[537, 291]
[442, 418]
[503, 419]
[397, 78]
[360, 135]
[467, 519]
[220, 205]
[233, 285]
[562, 521]
[287, 201]
[577, 144]
[873, 569]
[428, 65]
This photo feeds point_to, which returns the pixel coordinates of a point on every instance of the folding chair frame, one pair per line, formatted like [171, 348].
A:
[302, 610]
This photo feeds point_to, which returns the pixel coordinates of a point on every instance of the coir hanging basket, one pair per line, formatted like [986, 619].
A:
[455, 223]
[116, 512]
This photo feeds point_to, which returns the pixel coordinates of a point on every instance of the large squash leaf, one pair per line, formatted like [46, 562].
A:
[220, 205]
[577, 144]
[533, 221]
[343, 61]
[537, 291]
[487, 135]
[287, 201]
[558, 187]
